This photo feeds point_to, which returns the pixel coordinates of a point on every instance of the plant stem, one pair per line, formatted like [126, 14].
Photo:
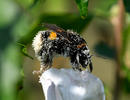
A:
[118, 27]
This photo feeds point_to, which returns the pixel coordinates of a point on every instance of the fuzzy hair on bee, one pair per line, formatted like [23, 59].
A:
[56, 40]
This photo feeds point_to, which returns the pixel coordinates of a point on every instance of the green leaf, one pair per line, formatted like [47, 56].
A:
[104, 50]
[83, 7]
[24, 50]
[127, 5]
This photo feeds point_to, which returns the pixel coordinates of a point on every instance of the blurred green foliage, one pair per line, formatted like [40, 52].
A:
[20, 20]
[125, 39]
[127, 5]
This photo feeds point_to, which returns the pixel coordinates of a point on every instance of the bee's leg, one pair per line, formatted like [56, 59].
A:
[43, 68]
[91, 66]
[75, 63]
[46, 62]
[39, 72]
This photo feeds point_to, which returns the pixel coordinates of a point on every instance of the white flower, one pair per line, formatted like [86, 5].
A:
[67, 84]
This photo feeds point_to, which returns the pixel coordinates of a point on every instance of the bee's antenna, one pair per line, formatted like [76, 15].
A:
[97, 55]
[91, 66]
[49, 26]
[44, 25]
[41, 24]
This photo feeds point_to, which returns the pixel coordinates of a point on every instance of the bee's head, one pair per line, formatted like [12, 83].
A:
[84, 56]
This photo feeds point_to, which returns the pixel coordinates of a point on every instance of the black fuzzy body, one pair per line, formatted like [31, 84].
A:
[66, 43]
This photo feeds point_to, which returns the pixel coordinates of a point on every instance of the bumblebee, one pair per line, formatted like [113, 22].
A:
[56, 40]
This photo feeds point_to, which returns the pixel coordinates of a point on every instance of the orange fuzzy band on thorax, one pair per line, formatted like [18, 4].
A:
[52, 35]
[81, 45]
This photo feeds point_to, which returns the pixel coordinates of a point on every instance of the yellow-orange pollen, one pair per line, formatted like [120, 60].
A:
[52, 35]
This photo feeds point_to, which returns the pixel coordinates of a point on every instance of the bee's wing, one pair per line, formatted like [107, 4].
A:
[57, 29]
[99, 56]
[53, 27]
